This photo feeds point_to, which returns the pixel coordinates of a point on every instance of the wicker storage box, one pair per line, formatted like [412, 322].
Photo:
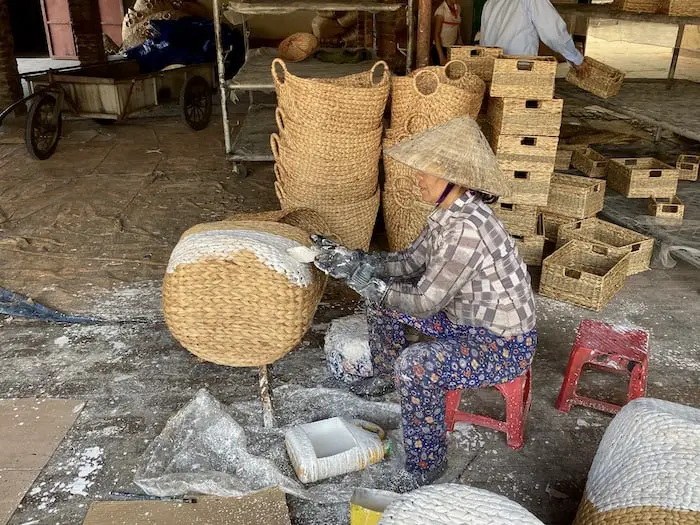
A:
[519, 219]
[580, 274]
[531, 248]
[616, 240]
[528, 187]
[689, 167]
[573, 196]
[666, 208]
[233, 296]
[637, 6]
[602, 80]
[515, 116]
[642, 178]
[479, 59]
[524, 77]
[523, 153]
[563, 159]
[680, 7]
[590, 162]
[551, 222]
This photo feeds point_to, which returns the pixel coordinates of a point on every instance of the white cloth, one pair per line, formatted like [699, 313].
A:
[449, 34]
[517, 26]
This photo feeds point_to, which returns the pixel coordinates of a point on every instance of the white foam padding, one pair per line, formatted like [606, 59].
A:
[347, 348]
[649, 456]
[451, 504]
[270, 249]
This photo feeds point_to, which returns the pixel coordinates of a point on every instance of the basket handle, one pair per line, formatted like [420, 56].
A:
[279, 191]
[456, 63]
[385, 73]
[435, 79]
[275, 146]
[279, 117]
[571, 273]
[370, 427]
[423, 124]
[280, 172]
[599, 249]
[278, 62]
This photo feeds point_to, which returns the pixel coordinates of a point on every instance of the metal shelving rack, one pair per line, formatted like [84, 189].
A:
[252, 141]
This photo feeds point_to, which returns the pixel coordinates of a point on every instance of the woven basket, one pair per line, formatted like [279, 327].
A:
[354, 103]
[519, 219]
[456, 73]
[637, 6]
[352, 222]
[231, 308]
[551, 223]
[478, 59]
[298, 47]
[320, 191]
[613, 239]
[642, 178]
[679, 7]
[602, 80]
[536, 150]
[577, 197]
[580, 274]
[424, 94]
[531, 248]
[590, 162]
[356, 179]
[666, 208]
[331, 144]
[688, 167]
[530, 78]
[513, 116]
[528, 187]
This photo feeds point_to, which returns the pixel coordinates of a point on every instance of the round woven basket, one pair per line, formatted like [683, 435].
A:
[298, 47]
[331, 144]
[456, 73]
[231, 307]
[303, 218]
[352, 222]
[354, 179]
[322, 191]
[425, 93]
[354, 103]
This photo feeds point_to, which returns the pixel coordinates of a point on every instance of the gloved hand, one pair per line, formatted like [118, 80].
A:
[341, 262]
[366, 284]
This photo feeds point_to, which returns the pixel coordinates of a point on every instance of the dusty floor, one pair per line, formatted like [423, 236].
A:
[133, 376]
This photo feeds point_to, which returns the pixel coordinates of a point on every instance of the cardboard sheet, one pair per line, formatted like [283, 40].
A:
[266, 507]
[31, 431]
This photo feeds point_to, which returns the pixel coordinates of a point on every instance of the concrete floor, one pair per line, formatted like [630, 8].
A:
[133, 376]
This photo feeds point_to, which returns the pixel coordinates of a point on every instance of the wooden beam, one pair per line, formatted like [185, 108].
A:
[425, 20]
[605, 11]
[10, 86]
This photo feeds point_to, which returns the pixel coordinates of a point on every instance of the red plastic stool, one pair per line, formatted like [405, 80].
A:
[615, 349]
[518, 399]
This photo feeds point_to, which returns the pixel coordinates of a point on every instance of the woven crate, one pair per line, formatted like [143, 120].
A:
[637, 6]
[580, 274]
[680, 7]
[528, 187]
[617, 240]
[523, 153]
[602, 80]
[577, 197]
[479, 59]
[666, 208]
[688, 166]
[551, 222]
[519, 219]
[642, 178]
[531, 248]
[515, 116]
[563, 159]
[524, 77]
[590, 162]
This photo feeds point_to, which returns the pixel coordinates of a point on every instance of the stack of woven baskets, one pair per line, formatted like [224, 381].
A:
[428, 97]
[328, 147]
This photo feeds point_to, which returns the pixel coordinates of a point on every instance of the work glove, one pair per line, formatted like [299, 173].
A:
[341, 262]
[364, 282]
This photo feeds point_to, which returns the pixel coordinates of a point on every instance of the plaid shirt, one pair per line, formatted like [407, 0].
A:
[467, 265]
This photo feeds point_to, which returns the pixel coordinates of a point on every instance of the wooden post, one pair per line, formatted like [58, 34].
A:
[425, 20]
[266, 397]
[10, 86]
[676, 51]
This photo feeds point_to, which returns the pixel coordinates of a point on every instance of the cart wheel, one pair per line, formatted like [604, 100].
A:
[42, 132]
[195, 101]
[240, 170]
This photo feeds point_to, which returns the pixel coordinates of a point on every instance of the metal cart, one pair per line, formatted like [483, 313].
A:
[252, 143]
[109, 92]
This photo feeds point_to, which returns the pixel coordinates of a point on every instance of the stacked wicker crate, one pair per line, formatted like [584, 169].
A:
[522, 125]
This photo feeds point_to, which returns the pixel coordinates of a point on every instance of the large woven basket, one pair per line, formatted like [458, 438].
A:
[456, 73]
[479, 59]
[298, 47]
[352, 222]
[425, 94]
[354, 103]
[679, 7]
[602, 80]
[331, 144]
[229, 303]
[327, 190]
[356, 178]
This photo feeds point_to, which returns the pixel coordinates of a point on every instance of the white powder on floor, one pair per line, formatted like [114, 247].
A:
[270, 249]
[349, 336]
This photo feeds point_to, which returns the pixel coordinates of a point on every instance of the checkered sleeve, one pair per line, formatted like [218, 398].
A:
[409, 262]
[459, 256]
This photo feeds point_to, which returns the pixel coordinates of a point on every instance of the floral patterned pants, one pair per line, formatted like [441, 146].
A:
[460, 357]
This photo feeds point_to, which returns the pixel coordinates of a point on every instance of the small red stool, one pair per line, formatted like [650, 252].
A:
[518, 398]
[615, 349]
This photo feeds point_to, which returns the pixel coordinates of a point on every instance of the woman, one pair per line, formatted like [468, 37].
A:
[462, 283]
[446, 28]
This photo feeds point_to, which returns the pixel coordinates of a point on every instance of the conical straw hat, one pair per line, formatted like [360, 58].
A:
[456, 151]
